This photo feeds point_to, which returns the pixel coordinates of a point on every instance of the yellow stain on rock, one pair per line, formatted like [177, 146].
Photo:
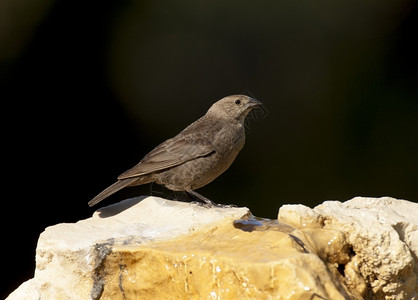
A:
[227, 263]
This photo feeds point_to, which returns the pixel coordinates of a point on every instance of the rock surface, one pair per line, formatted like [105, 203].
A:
[381, 235]
[151, 248]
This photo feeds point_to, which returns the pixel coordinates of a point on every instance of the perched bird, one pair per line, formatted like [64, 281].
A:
[197, 155]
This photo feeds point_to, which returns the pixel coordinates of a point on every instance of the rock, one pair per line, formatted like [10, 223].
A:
[382, 235]
[79, 252]
[151, 248]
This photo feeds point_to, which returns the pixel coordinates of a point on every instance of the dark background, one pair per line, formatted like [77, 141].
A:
[89, 87]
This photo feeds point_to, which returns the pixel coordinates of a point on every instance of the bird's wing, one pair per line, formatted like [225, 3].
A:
[170, 153]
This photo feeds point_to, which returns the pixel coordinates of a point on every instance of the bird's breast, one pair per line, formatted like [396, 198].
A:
[229, 139]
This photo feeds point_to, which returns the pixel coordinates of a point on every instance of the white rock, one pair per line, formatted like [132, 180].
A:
[383, 233]
[68, 253]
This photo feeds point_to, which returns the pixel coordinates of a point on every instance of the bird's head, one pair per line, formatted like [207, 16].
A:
[235, 107]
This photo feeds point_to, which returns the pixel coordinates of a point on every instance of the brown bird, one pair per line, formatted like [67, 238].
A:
[197, 155]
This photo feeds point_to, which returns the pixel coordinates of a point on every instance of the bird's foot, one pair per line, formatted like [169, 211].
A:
[205, 202]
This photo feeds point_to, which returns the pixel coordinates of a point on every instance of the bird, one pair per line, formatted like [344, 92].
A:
[194, 157]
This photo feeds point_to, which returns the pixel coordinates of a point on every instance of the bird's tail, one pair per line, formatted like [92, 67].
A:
[120, 184]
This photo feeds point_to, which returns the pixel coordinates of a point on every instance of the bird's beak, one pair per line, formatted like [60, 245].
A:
[254, 103]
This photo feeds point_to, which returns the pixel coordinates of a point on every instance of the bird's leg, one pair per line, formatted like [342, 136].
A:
[197, 196]
[150, 188]
[180, 196]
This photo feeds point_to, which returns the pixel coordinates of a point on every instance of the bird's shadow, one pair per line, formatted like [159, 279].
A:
[154, 190]
[117, 208]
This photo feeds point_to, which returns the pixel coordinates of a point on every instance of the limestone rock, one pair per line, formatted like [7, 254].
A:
[382, 235]
[74, 255]
[151, 248]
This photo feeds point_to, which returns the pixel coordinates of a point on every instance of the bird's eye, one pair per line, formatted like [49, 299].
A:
[237, 101]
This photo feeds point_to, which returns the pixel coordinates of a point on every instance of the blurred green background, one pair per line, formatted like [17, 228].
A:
[89, 87]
